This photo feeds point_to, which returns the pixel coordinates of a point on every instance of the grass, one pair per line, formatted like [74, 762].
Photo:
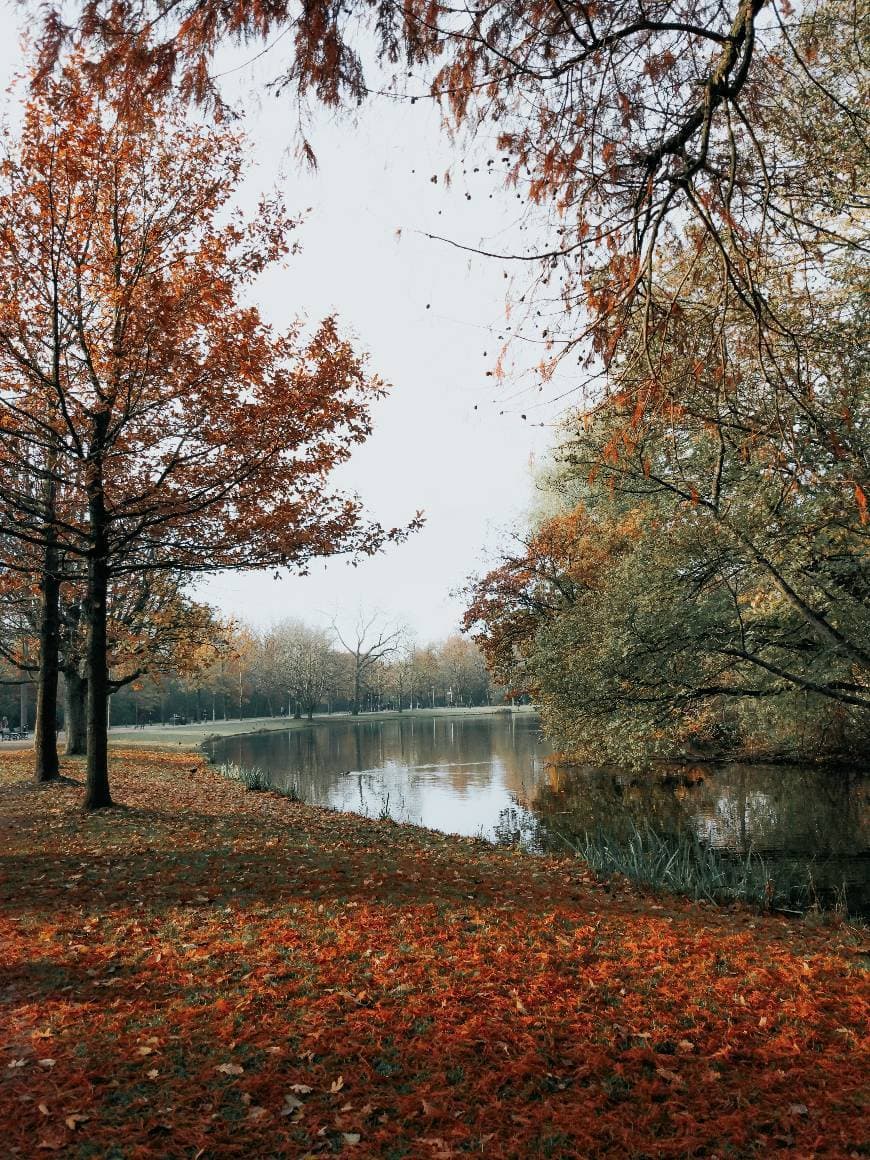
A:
[175, 969]
[683, 864]
[256, 780]
[251, 777]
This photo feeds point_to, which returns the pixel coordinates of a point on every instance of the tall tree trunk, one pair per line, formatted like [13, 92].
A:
[76, 691]
[97, 795]
[356, 689]
[45, 729]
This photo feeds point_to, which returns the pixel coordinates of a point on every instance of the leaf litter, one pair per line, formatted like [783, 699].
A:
[289, 981]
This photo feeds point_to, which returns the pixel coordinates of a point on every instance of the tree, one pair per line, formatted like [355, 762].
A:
[628, 129]
[152, 629]
[623, 118]
[367, 642]
[167, 428]
[734, 429]
[698, 586]
[464, 672]
[300, 663]
[30, 627]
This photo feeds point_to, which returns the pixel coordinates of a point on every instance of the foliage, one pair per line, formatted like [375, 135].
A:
[151, 421]
[672, 641]
[731, 453]
[623, 124]
[153, 626]
[256, 977]
[297, 661]
[368, 643]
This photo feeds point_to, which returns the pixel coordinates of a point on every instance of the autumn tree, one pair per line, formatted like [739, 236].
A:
[29, 624]
[401, 676]
[566, 556]
[167, 427]
[626, 129]
[153, 629]
[292, 666]
[463, 671]
[733, 420]
[697, 586]
[623, 118]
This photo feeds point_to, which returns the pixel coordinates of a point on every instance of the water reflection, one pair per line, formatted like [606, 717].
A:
[487, 776]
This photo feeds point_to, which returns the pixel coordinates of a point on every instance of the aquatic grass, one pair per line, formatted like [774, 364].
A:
[257, 780]
[683, 864]
[252, 778]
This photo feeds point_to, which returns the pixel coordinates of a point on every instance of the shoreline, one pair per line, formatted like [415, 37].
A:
[199, 736]
[192, 738]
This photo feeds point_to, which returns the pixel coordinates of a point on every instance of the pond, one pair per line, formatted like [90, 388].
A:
[486, 776]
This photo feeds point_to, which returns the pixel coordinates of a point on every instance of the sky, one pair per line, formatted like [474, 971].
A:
[447, 440]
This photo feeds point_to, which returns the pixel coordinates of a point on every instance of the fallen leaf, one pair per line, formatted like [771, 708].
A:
[230, 1069]
[73, 1121]
[670, 1076]
[54, 1141]
[337, 1085]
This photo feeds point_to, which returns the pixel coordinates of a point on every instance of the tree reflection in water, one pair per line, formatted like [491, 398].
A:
[487, 775]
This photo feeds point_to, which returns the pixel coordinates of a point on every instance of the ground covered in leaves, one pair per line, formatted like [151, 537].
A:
[206, 972]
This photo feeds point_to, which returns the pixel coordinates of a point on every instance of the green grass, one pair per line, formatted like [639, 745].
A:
[682, 864]
[253, 779]
[257, 781]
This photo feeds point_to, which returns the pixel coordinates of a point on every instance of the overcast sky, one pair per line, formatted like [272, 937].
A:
[447, 440]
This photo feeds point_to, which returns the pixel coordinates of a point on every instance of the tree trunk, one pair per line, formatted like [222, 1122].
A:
[97, 795]
[45, 728]
[76, 692]
[356, 686]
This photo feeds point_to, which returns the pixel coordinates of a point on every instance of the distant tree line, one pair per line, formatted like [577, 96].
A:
[289, 669]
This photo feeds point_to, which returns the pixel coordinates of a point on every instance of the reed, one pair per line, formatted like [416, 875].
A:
[682, 864]
[253, 778]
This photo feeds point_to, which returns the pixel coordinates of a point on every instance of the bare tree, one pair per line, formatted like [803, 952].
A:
[371, 639]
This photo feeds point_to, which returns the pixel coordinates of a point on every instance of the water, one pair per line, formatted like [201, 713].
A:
[486, 776]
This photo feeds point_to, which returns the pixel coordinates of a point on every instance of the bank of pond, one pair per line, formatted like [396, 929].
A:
[782, 836]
